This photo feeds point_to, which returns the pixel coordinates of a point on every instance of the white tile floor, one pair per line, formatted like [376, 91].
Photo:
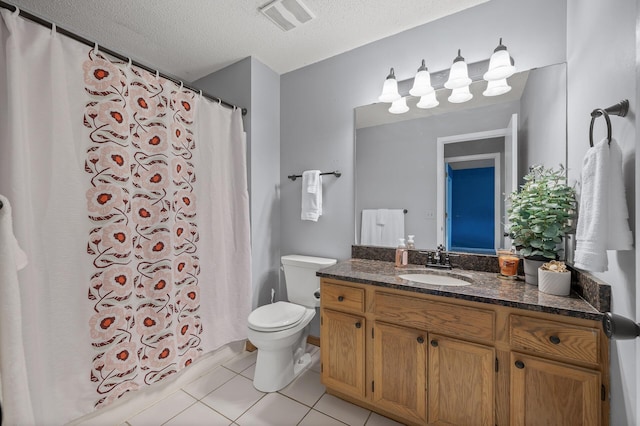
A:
[226, 396]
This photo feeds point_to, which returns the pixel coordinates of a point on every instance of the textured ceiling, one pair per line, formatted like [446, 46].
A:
[192, 38]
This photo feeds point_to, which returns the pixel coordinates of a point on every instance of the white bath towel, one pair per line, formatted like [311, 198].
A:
[381, 216]
[370, 232]
[603, 214]
[20, 256]
[619, 236]
[311, 195]
[16, 399]
[385, 235]
[393, 228]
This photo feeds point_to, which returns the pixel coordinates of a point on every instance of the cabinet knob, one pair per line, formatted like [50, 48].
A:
[340, 298]
[519, 364]
[554, 339]
[420, 339]
[434, 343]
[358, 324]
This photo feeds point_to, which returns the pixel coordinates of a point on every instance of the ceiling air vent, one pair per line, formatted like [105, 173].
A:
[287, 14]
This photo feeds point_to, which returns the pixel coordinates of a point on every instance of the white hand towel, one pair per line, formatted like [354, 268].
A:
[311, 201]
[16, 402]
[312, 180]
[619, 236]
[591, 233]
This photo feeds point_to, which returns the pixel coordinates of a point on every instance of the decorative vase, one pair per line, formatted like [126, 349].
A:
[552, 282]
[531, 270]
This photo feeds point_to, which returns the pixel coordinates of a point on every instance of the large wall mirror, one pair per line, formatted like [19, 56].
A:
[449, 168]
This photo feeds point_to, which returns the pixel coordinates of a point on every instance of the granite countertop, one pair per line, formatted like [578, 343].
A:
[485, 287]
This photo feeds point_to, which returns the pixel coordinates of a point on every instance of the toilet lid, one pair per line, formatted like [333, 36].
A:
[277, 315]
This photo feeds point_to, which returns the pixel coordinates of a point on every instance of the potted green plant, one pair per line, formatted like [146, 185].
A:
[540, 215]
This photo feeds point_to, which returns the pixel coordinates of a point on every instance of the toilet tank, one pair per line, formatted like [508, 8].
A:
[300, 277]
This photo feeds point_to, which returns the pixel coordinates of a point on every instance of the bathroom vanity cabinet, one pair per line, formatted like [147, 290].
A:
[426, 359]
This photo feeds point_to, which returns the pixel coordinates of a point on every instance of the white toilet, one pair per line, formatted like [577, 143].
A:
[280, 330]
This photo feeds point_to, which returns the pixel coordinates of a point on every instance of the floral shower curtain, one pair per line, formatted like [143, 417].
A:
[129, 197]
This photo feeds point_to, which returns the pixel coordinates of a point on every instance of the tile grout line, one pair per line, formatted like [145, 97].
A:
[320, 412]
[250, 407]
[194, 403]
[233, 377]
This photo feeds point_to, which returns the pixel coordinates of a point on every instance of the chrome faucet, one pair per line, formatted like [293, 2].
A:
[438, 259]
[438, 255]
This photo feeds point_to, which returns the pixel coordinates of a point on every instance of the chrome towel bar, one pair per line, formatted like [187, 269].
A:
[335, 173]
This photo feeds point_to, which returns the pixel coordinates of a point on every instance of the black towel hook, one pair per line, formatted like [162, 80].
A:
[620, 109]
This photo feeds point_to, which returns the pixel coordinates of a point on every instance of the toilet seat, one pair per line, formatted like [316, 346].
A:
[276, 316]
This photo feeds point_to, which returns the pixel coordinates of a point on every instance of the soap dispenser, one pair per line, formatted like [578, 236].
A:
[402, 255]
[410, 243]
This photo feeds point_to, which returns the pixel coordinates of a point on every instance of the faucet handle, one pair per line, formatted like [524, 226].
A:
[440, 247]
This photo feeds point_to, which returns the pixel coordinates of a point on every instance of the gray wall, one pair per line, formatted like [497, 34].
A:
[318, 101]
[251, 84]
[602, 70]
[542, 123]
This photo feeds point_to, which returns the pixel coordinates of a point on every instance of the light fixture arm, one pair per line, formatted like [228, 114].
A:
[392, 74]
[500, 46]
[458, 58]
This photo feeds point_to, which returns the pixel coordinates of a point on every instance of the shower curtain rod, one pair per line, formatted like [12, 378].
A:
[83, 40]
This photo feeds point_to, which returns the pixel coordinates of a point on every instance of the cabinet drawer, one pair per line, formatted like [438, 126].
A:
[459, 321]
[557, 339]
[342, 297]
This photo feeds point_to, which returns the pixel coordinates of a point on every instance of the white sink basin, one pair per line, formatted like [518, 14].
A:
[434, 279]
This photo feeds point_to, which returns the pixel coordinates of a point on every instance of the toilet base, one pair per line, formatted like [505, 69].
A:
[282, 369]
[281, 354]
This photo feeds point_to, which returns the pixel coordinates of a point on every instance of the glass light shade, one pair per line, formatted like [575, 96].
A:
[421, 82]
[390, 89]
[428, 101]
[460, 95]
[497, 87]
[500, 65]
[399, 106]
[458, 74]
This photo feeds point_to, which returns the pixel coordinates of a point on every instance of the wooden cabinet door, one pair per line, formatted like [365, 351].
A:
[342, 353]
[461, 382]
[545, 392]
[400, 370]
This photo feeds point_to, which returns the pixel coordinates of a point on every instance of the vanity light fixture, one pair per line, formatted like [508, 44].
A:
[501, 64]
[458, 74]
[399, 106]
[497, 87]
[422, 82]
[390, 88]
[428, 101]
[460, 95]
